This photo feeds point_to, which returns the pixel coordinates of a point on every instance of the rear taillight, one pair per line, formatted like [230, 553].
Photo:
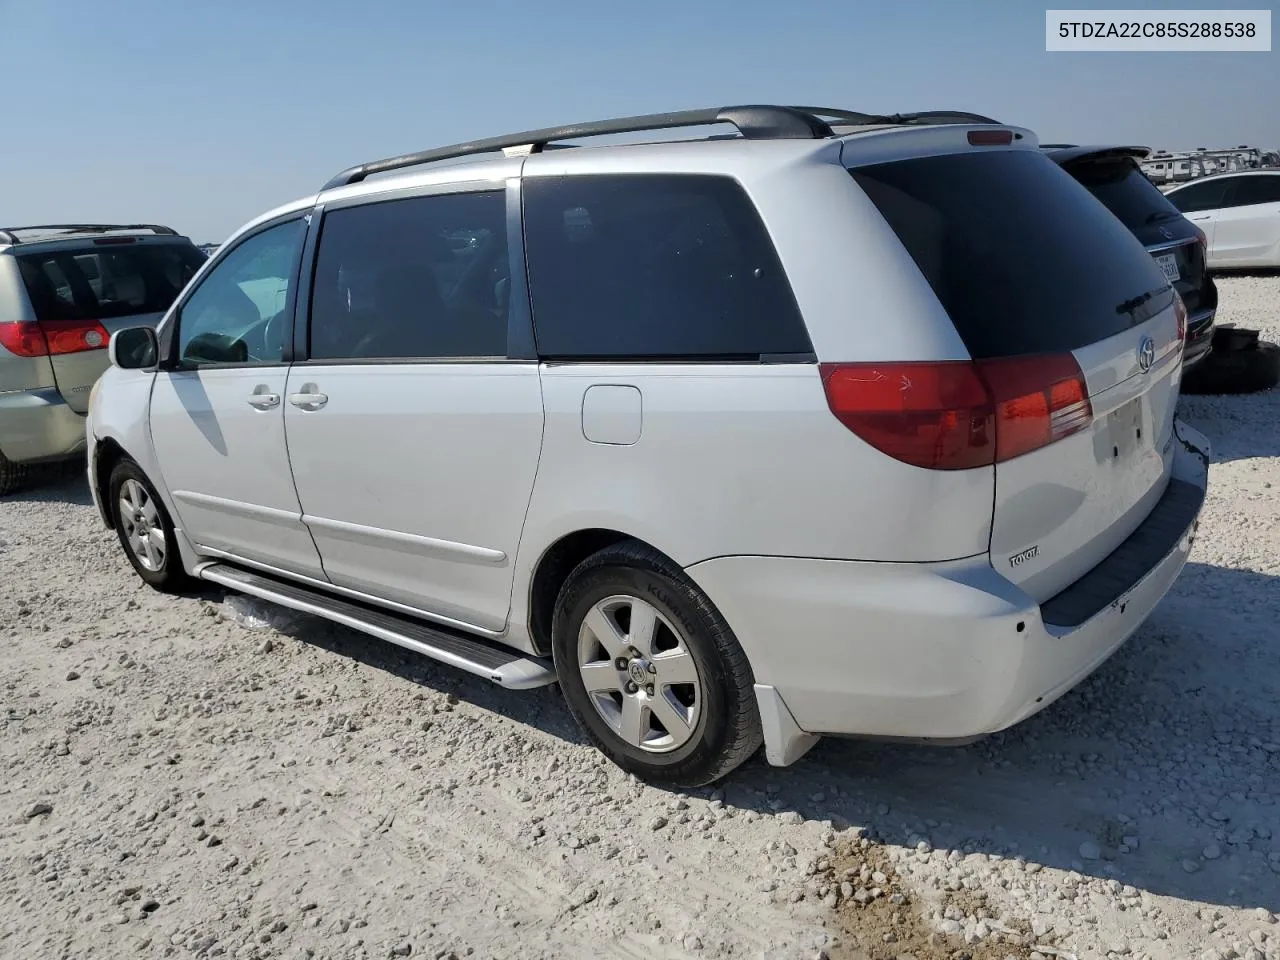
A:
[74, 336]
[1038, 400]
[956, 415]
[1180, 311]
[31, 339]
[935, 415]
[24, 339]
[1201, 239]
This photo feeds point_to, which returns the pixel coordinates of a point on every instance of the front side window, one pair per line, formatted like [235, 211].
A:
[414, 278]
[1256, 189]
[655, 266]
[1200, 196]
[238, 312]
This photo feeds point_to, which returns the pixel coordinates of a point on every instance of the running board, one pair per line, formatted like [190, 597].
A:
[503, 666]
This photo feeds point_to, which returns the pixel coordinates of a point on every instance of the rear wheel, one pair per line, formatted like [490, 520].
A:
[651, 671]
[12, 475]
[144, 528]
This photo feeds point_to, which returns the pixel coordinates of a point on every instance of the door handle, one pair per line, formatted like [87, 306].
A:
[264, 401]
[1198, 218]
[308, 401]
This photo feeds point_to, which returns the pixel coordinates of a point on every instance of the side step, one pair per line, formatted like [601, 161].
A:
[503, 666]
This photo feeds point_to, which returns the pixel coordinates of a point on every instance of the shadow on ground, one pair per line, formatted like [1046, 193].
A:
[53, 483]
[1173, 744]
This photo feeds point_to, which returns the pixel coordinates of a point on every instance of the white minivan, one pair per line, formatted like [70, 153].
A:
[839, 425]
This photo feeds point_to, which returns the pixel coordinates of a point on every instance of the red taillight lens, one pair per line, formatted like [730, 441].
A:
[74, 336]
[934, 415]
[1038, 400]
[1201, 238]
[1180, 311]
[24, 339]
[956, 415]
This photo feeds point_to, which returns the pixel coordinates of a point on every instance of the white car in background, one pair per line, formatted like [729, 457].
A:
[1239, 214]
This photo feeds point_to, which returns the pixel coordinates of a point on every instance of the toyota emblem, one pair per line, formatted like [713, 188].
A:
[1146, 354]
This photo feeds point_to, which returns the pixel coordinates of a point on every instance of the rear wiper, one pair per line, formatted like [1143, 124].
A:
[1159, 215]
[1130, 306]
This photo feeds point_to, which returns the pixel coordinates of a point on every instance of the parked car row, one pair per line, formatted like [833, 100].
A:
[847, 425]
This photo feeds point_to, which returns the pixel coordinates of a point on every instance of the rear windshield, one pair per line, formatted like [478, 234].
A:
[106, 281]
[1021, 257]
[1125, 191]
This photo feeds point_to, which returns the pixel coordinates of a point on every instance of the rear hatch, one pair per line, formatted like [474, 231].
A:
[81, 292]
[1115, 179]
[1074, 333]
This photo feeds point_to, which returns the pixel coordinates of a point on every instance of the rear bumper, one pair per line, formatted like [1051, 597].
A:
[944, 651]
[38, 425]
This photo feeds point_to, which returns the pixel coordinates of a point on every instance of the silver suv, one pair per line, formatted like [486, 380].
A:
[63, 290]
[840, 425]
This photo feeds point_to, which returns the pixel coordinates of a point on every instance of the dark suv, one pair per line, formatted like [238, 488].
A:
[1179, 247]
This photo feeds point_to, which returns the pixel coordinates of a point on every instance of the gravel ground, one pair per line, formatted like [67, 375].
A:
[206, 776]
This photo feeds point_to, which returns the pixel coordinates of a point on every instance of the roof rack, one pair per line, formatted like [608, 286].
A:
[754, 122]
[10, 234]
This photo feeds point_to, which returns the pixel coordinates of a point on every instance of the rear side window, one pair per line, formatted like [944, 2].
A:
[108, 281]
[1123, 190]
[655, 267]
[1200, 196]
[1021, 257]
[1257, 189]
[420, 277]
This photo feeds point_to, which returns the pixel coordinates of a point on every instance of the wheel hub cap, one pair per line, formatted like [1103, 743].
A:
[639, 674]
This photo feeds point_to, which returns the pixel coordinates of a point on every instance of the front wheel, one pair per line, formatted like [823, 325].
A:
[651, 671]
[144, 528]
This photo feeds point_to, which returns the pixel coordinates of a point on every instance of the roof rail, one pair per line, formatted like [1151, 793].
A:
[760, 122]
[754, 122]
[10, 234]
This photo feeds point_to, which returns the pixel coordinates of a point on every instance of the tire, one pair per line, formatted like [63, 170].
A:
[12, 475]
[138, 513]
[1235, 371]
[700, 682]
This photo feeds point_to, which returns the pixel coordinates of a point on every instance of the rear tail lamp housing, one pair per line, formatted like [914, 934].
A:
[960, 414]
[28, 338]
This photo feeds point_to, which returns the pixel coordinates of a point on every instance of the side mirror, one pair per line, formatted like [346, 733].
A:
[133, 348]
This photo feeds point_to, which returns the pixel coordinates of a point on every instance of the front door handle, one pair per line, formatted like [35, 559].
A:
[308, 401]
[264, 401]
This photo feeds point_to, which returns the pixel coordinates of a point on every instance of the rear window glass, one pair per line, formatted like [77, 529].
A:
[1125, 191]
[1021, 257]
[106, 281]
[655, 266]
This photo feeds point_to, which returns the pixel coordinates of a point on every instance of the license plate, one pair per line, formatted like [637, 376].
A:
[1169, 264]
